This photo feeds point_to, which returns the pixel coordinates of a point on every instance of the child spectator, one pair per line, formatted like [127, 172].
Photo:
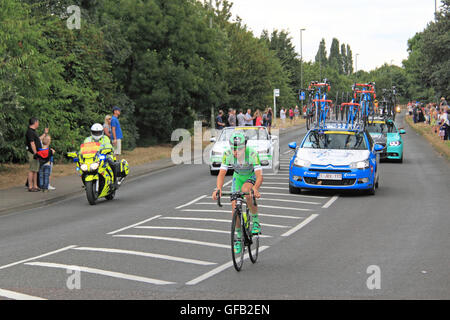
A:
[45, 156]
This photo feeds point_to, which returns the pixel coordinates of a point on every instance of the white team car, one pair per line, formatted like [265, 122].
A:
[267, 146]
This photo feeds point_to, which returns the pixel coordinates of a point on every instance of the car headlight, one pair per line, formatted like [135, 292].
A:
[395, 143]
[360, 164]
[94, 166]
[84, 167]
[216, 153]
[301, 162]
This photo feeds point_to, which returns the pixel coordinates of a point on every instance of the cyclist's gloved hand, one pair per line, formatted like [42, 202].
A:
[256, 193]
[214, 194]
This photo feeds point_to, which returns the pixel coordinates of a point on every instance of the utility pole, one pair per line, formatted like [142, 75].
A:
[301, 59]
[356, 62]
[212, 106]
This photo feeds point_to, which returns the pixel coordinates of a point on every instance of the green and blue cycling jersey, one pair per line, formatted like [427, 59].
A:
[243, 171]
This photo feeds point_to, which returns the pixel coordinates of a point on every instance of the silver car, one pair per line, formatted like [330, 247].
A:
[267, 146]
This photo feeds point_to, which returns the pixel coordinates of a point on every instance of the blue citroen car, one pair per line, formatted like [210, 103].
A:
[335, 158]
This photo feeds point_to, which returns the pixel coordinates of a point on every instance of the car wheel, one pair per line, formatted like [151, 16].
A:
[294, 190]
[372, 190]
[377, 183]
[401, 159]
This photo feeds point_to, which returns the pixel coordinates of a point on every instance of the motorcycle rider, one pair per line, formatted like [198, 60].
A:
[97, 135]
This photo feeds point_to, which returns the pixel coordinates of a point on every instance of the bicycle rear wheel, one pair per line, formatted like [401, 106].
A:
[238, 258]
[254, 242]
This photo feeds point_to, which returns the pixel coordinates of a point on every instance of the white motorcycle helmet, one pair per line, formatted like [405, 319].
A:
[97, 131]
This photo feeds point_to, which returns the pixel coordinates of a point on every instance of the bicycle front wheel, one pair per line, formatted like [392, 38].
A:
[237, 240]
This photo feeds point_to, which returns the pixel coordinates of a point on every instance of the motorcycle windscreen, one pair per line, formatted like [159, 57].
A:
[89, 149]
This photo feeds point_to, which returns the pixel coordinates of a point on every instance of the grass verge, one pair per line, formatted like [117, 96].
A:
[441, 146]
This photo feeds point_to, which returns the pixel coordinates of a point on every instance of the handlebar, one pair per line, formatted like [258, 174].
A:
[238, 193]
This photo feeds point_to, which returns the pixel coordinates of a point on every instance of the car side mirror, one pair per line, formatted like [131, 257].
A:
[71, 155]
[212, 140]
[378, 147]
[293, 145]
[106, 151]
[402, 131]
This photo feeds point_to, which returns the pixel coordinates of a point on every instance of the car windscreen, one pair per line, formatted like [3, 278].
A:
[381, 128]
[250, 133]
[335, 140]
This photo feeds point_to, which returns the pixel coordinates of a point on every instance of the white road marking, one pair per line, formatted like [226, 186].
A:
[209, 244]
[219, 220]
[112, 274]
[260, 214]
[275, 188]
[286, 152]
[191, 202]
[277, 183]
[134, 225]
[290, 201]
[147, 254]
[17, 296]
[259, 206]
[204, 210]
[193, 229]
[37, 257]
[293, 195]
[285, 200]
[218, 270]
[301, 225]
[330, 202]
[275, 178]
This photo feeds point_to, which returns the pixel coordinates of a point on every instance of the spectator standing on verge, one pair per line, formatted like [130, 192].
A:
[219, 121]
[116, 131]
[291, 115]
[232, 118]
[45, 158]
[296, 113]
[258, 118]
[107, 126]
[269, 119]
[248, 118]
[283, 116]
[240, 118]
[33, 143]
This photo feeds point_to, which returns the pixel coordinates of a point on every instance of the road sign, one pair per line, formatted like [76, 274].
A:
[276, 92]
[302, 96]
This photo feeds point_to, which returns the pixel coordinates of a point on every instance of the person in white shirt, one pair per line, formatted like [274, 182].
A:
[283, 116]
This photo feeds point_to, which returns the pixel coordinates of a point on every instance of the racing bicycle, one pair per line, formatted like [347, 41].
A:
[242, 218]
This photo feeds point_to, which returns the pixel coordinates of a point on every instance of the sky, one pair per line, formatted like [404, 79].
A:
[377, 30]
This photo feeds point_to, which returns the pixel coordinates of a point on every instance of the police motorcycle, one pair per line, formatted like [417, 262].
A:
[97, 166]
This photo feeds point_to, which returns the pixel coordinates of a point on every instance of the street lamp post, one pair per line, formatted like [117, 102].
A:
[301, 59]
[356, 62]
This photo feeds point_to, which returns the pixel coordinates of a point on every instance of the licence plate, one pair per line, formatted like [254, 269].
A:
[330, 176]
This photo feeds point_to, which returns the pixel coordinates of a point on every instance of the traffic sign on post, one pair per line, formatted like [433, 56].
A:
[276, 92]
[302, 95]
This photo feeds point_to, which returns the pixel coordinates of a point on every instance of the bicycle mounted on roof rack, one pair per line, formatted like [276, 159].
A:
[366, 94]
[388, 103]
[318, 104]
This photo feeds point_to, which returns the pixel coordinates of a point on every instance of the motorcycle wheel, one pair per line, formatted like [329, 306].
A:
[91, 192]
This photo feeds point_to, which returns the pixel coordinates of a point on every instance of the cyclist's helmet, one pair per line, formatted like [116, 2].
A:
[97, 131]
[237, 141]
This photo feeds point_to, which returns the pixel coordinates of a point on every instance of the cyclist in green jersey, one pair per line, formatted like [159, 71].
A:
[247, 176]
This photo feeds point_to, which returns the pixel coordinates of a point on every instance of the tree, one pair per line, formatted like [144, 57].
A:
[321, 56]
[335, 60]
